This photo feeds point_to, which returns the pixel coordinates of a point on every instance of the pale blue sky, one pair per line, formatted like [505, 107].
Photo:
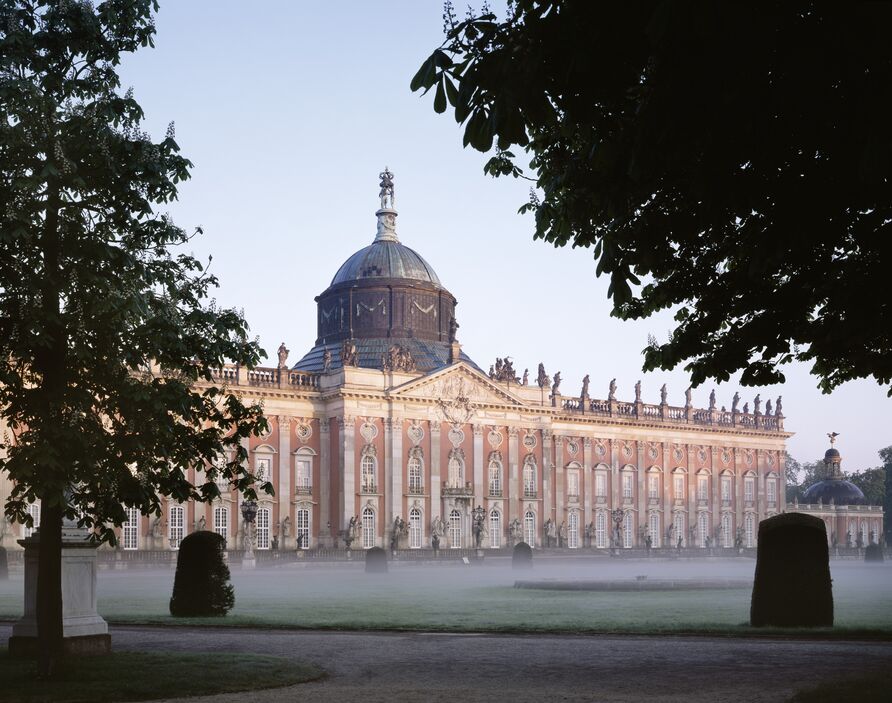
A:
[289, 109]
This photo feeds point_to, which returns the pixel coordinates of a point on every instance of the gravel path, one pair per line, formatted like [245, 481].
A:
[392, 667]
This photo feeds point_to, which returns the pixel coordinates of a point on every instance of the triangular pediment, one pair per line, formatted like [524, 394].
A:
[459, 381]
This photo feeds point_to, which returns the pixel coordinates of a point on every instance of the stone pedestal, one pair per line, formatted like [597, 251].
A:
[83, 630]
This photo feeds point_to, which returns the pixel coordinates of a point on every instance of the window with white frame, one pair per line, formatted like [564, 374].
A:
[573, 530]
[220, 466]
[863, 533]
[601, 530]
[455, 530]
[627, 484]
[529, 479]
[368, 528]
[749, 488]
[702, 488]
[529, 528]
[495, 529]
[303, 472]
[495, 478]
[415, 536]
[679, 532]
[601, 484]
[654, 529]
[263, 470]
[176, 525]
[726, 488]
[221, 522]
[302, 533]
[261, 528]
[130, 530]
[34, 512]
[749, 527]
[573, 483]
[771, 490]
[628, 529]
[367, 474]
[679, 486]
[653, 486]
[703, 528]
[727, 531]
[415, 469]
[456, 473]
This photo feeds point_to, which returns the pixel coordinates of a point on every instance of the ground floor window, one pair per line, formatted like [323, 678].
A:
[415, 536]
[654, 529]
[221, 522]
[261, 527]
[749, 526]
[455, 529]
[302, 533]
[727, 531]
[703, 527]
[34, 512]
[495, 529]
[573, 530]
[529, 528]
[130, 530]
[176, 525]
[368, 528]
[679, 529]
[601, 530]
[628, 530]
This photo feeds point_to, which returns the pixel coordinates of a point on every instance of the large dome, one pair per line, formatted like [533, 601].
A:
[834, 488]
[386, 259]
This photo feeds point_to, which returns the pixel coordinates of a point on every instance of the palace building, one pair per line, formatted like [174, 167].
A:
[386, 433]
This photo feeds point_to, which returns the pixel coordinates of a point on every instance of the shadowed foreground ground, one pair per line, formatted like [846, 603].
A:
[442, 667]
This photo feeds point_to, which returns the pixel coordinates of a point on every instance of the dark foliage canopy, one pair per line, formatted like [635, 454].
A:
[201, 585]
[729, 161]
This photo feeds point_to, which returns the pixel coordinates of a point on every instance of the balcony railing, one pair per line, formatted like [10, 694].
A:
[416, 490]
[530, 493]
[303, 490]
[453, 490]
[368, 488]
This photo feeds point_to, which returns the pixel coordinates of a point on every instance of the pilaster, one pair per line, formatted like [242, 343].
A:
[347, 467]
[436, 482]
[478, 465]
[588, 496]
[285, 490]
[547, 505]
[513, 490]
[396, 478]
[325, 517]
[560, 497]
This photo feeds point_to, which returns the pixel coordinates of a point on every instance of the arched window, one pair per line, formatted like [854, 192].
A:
[529, 478]
[455, 530]
[628, 530]
[749, 526]
[864, 541]
[495, 529]
[601, 530]
[679, 533]
[703, 528]
[529, 528]
[368, 528]
[261, 527]
[221, 522]
[130, 530]
[573, 530]
[495, 478]
[367, 474]
[176, 526]
[654, 529]
[34, 512]
[456, 473]
[415, 536]
[416, 485]
[727, 531]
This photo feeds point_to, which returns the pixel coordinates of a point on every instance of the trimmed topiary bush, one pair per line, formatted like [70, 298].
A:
[4, 565]
[792, 586]
[201, 585]
[522, 556]
[376, 561]
[873, 552]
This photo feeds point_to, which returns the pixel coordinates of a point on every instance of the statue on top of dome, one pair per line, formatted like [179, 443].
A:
[388, 201]
[832, 436]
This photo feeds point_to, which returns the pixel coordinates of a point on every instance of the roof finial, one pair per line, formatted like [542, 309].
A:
[832, 436]
[387, 214]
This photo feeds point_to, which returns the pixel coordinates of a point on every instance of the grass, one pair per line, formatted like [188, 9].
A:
[871, 688]
[130, 676]
[482, 599]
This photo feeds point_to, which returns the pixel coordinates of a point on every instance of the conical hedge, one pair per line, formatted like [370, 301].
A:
[201, 586]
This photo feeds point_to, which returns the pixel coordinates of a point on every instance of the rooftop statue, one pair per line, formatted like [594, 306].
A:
[712, 400]
[555, 387]
[778, 407]
[664, 393]
[542, 378]
[638, 392]
[734, 401]
[611, 390]
[388, 201]
[757, 404]
[585, 382]
[283, 355]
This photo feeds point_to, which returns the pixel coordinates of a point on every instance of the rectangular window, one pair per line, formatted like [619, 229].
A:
[653, 486]
[130, 530]
[263, 469]
[627, 485]
[702, 488]
[771, 489]
[261, 528]
[222, 481]
[600, 485]
[302, 473]
[749, 488]
[726, 488]
[573, 483]
[221, 522]
[679, 488]
[303, 529]
[176, 525]
[34, 512]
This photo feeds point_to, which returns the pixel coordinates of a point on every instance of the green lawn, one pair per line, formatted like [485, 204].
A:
[141, 676]
[482, 598]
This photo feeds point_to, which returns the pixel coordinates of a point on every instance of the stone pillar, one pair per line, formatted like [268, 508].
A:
[667, 497]
[547, 504]
[347, 468]
[692, 499]
[386, 513]
[642, 491]
[436, 483]
[512, 486]
[285, 491]
[588, 482]
[395, 486]
[325, 516]
[715, 506]
[478, 469]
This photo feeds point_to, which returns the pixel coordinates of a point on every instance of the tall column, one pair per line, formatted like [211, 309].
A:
[667, 497]
[284, 490]
[715, 505]
[692, 500]
[513, 490]
[325, 517]
[560, 498]
[642, 491]
[436, 482]
[547, 508]
[386, 507]
[347, 468]
[587, 478]
[478, 465]
[396, 477]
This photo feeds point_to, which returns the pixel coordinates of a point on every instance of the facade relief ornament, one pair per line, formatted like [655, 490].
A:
[513, 432]
[678, 453]
[478, 430]
[304, 431]
[368, 430]
[529, 440]
[416, 453]
[369, 450]
[398, 358]
[495, 455]
[495, 439]
[587, 443]
[415, 432]
[457, 453]
[748, 457]
[456, 436]
[653, 450]
[701, 454]
[572, 447]
[726, 456]
[600, 449]
[453, 399]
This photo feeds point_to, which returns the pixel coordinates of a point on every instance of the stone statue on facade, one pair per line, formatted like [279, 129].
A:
[503, 370]
[664, 393]
[201, 525]
[585, 382]
[562, 535]
[479, 530]
[438, 527]
[514, 531]
[757, 404]
[778, 407]
[400, 529]
[286, 527]
[735, 401]
[550, 532]
[768, 410]
[542, 378]
[388, 201]
[398, 358]
[326, 361]
[712, 399]
[453, 329]
[611, 390]
[526, 378]
[638, 392]
[556, 386]
[687, 397]
[283, 355]
[746, 408]
[349, 355]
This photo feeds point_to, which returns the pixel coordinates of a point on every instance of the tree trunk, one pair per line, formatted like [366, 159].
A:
[49, 591]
